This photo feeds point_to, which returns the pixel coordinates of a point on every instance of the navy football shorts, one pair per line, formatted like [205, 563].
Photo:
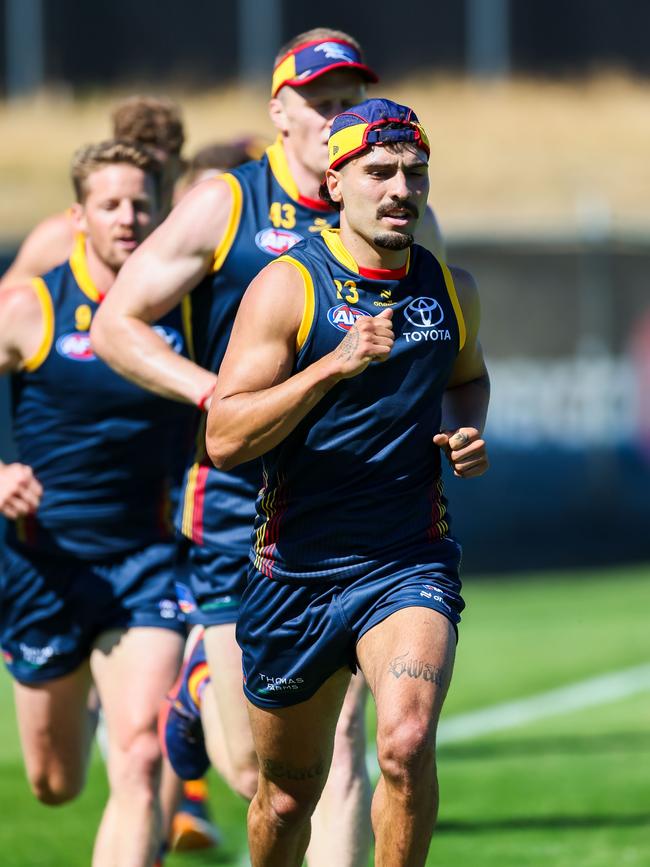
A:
[294, 636]
[52, 609]
[210, 584]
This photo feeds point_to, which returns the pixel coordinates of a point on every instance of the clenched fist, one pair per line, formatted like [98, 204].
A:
[20, 491]
[371, 338]
[465, 451]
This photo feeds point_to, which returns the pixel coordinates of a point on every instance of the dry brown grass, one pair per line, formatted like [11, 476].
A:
[519, 156]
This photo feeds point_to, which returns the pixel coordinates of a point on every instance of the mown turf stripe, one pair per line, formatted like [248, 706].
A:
[576, 696]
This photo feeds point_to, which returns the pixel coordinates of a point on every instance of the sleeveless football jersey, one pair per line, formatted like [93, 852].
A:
[268, 217]
[102, 448]
[358, 481]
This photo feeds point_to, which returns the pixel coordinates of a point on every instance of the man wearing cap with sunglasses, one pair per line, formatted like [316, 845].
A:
[206, 253]
[353, 362]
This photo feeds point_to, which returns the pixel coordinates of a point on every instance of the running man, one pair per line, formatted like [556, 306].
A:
[216, 240]
[353, 362]
[87, 570]
[156, 123]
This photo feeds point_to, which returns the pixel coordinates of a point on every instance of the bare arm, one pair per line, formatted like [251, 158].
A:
[465, 401]
[168, 265]
[21, 335]
[428, 234]
[47, 245]
[258, 402]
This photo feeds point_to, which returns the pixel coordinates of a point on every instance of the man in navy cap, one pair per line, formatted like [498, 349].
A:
[353, 363]
[206, 253]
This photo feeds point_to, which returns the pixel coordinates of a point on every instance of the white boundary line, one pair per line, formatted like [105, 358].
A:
[576, 696]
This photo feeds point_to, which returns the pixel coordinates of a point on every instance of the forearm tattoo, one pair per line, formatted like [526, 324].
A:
[278, 770]
[345, 349]
[415, 668]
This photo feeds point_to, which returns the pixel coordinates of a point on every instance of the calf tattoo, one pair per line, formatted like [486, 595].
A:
[415, 668]
[278, 770]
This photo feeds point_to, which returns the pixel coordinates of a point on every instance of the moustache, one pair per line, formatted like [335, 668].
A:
[384, 210]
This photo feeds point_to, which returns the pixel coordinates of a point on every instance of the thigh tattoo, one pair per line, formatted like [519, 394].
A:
[417, 669]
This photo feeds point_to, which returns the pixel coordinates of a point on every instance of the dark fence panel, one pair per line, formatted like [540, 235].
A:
[158, 41]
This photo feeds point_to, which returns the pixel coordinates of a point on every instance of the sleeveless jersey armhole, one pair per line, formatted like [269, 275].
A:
[455, 303]
[234, 218]
[308, 309]
[47, 310]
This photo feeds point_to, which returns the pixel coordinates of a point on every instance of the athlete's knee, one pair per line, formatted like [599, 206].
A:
[244, 781]
[55, 787]
[288, 808]
[136, 764]
[406, 751]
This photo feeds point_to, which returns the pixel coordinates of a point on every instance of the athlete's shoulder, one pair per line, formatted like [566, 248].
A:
[47, 245]
[22, 309]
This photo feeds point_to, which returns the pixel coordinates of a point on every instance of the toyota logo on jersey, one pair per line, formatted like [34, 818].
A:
[424, 312]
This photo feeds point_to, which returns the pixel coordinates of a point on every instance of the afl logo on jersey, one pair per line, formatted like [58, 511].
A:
[170, 336]
[424, 313]
[75, 346]
[275, 242]
[343, 316]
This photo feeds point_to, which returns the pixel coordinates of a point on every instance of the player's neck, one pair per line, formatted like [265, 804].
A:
[367, 255]
[307, 183]
[102, 275]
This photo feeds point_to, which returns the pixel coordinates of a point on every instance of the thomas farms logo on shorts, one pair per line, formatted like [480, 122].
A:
[343, 316]
[75, 346]
[280, 684]
[275, 242]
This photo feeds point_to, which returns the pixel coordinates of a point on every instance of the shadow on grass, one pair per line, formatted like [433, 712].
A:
[611, 742]
[535, 823]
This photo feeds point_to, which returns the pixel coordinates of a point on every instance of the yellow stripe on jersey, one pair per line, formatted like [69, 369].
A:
[233, 221]
[267, 506]
[280, 168]
[335, 245]
[186, 316]
[79, 266]
[308, 309]
[47, 309]
[188, 501]
[455, 303]
[332, 238]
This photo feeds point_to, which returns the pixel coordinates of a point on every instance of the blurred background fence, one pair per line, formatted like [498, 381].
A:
[566, 302]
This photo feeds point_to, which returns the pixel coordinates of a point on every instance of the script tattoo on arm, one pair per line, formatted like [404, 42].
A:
[415, 668]
[346, 347]
[278, 770]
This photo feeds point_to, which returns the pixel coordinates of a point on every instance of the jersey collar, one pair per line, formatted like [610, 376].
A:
[332, 238]
[280, 167]
[79, 267]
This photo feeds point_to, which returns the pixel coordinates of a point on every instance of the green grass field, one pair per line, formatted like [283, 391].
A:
[572, 790]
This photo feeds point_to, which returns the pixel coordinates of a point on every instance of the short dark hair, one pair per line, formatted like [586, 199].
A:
[150, 121]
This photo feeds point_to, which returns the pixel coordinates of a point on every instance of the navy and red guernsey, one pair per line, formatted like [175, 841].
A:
[103, 449]
[268, 217]
[358, 481]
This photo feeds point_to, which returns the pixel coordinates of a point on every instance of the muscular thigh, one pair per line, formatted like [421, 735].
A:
[53, 723]
[133, 670]
[224, 659]
[408, 660]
